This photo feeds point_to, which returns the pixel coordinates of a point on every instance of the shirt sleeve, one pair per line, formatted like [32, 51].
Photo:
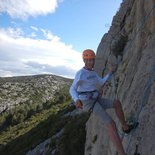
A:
[74, 86]
[104, 79]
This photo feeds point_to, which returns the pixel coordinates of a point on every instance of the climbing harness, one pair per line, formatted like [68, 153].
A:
[90, 95]
[91, 109]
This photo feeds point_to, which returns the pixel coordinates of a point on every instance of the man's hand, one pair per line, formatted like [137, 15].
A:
[79, 104]
[113, 68]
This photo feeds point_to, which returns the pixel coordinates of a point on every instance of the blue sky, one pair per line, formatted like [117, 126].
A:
[48, 36]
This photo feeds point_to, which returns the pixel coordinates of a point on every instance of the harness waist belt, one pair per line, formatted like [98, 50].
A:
[88, 95]
[87, 92]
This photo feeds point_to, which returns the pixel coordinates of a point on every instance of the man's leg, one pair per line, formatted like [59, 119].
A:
[110, 124]
[115, 137]
[120, 114]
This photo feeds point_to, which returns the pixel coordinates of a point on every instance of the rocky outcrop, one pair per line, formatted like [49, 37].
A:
[130, 43]
[43, 147]
[29, 89]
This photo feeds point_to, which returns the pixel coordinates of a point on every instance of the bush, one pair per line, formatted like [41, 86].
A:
[73, 139]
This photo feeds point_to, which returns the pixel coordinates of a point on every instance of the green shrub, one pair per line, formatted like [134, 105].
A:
[72, 141]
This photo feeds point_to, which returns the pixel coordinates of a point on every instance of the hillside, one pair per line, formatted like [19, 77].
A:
[37, 117]
[129, 43]
[33, 110]
[30, 89]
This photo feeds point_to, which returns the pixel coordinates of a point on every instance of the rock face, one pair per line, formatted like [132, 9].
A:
[130, 43]
[29, 89]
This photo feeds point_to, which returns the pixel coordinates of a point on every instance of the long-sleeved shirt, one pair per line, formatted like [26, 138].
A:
[86, 81]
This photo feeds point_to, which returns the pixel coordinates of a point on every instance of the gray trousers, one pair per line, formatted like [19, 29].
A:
[99, 108]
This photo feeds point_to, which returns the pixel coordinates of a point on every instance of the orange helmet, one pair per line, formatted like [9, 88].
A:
[88, 54]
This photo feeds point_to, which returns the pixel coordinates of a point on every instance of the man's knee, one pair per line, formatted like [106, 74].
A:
[111, 126]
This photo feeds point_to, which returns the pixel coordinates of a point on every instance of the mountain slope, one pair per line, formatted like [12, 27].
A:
[30, 89]
[31, 110]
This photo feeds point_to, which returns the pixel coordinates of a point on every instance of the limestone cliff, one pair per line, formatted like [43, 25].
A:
[130, 43]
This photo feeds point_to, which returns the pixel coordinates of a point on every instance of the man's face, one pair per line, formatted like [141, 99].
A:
[89, 63]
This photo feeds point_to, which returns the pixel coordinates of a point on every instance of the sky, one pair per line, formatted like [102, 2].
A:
[48, 36]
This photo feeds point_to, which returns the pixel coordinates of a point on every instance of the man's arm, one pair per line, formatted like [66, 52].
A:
[112, 69]
[74, 93]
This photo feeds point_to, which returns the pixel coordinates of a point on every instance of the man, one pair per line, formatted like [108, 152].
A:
[86, 96]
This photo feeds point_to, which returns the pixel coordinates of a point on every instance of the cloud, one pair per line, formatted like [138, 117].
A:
[34, 28]
[23, 55]
[48, 35]
[24, 8]
[48, 69]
